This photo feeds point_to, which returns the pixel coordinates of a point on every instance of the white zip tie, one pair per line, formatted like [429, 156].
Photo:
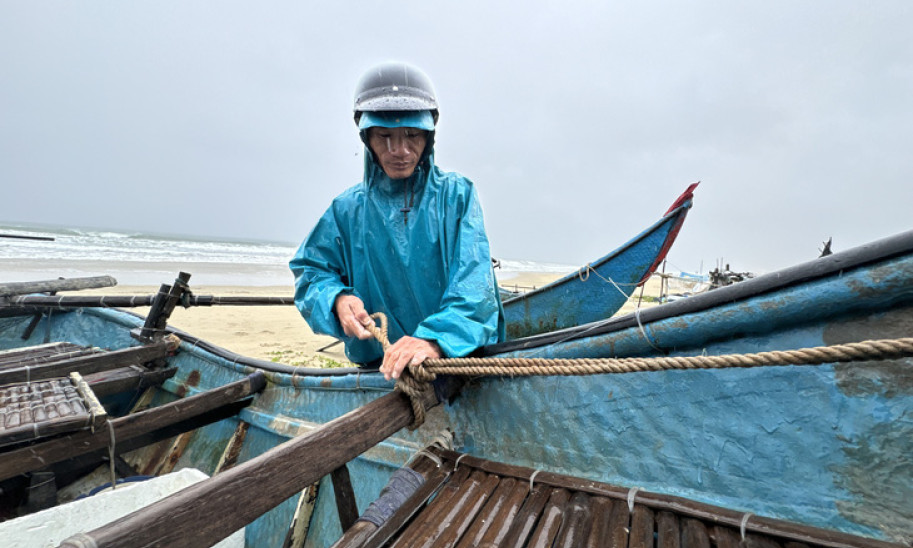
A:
[631, 494]
[532, 479]
[457, 463]
[744, 524]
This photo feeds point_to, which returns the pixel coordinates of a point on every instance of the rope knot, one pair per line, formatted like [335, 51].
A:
[415, 381]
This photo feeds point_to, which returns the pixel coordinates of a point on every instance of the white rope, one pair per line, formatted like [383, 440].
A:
[437, 460]
[643, 331]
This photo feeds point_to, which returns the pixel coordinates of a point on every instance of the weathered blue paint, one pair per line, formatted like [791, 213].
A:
[826, 445]
[589, 296]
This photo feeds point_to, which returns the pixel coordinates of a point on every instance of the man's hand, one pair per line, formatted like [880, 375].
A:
[407, 351]
[352, 316]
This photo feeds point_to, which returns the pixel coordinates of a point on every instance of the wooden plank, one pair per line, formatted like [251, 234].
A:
[417, 529]
[724, 537]
[70, 467]
[346, 506]
[550, 521]
[508, 511]
[491, 515]
[436, 477]
[527, 517]
[233, 448]
[465, 511]
[86, 364]
[668, 532]
[44, 286]
[599, 531]
[694, 534]
[758, 524]
[641, 535]
[20, 461]
[301, 519]
[14, 354]
[577, 522]
[212, 509]
[618, 526]
[125, 379]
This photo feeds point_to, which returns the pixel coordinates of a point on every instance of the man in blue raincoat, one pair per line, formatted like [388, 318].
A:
[408, 241]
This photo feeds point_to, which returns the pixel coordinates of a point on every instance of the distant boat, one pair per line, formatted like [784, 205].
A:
[766, 456]
[598, 290]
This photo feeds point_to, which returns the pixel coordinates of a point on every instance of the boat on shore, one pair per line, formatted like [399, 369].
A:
[599, 289]
[827, 447]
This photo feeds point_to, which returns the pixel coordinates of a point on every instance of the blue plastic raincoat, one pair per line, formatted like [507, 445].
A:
[428, 269]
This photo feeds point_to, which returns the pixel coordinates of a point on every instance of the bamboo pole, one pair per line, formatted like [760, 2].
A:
[125, 301]
[24, 288]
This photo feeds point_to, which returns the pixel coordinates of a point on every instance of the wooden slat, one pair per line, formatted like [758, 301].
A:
[577, 522]
[125, 379]
[225, 500]
[528, 516]
[20, 461]
[464, 512]
[550, 521]
[694, 534]
[668, 532]
[436, 477]
[431, 515]
[86, 364]
[724, 537]
[599, 531]
[494, 520]
[36, 355]
[684, 507]
[642, 528]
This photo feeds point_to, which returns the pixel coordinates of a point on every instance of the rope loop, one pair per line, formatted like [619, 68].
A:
[414, 382]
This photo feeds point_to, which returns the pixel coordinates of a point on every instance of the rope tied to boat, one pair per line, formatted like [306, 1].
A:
[414, 381]
[416, 378]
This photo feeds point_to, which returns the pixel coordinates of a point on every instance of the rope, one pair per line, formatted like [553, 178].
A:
[513, 367]
[416, 389]
[416, 379]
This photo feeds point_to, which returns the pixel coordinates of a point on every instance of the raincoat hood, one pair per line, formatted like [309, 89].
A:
[414, 249]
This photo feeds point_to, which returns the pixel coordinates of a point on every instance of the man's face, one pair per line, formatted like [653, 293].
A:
[397, 149]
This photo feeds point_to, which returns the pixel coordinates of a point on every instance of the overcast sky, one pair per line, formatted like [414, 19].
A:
[579, 122]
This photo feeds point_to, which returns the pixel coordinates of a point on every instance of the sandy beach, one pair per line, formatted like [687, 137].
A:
[279, 333]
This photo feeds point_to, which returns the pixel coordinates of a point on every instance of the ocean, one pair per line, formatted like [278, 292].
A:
[136, 258]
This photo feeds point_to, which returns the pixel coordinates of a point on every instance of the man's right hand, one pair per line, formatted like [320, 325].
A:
[352, 316]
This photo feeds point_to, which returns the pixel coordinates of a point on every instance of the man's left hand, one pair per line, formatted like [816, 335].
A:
[407, 351]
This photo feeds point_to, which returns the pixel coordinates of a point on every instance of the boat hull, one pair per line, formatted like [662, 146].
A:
[828, 446]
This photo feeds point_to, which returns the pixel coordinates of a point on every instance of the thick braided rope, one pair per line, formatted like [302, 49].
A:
[407, 383]
[416, 378]
[512, 367]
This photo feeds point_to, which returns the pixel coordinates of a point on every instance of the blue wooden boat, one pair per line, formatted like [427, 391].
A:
[601, 288]
[827, 446]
